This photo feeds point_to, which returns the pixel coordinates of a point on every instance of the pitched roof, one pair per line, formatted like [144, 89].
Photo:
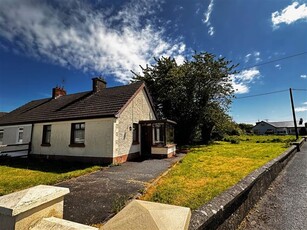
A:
[282, 124]
[108, 102]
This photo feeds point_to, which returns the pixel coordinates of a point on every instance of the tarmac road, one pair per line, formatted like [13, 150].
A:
[284, 205]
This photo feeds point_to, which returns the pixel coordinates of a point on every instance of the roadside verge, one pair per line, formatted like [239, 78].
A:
[227, 210]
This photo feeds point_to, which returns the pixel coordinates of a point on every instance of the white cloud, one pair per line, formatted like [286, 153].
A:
[242, 80]
[257, 56]
[248, 75]
[305, 103]
[253, 56]
[76, 34]
[290, 14]
[247, 57]
[179, 59]
[304, 76]
[211, 31]
[301, 109]
[278, 66]
[207, 16]
[240, 88]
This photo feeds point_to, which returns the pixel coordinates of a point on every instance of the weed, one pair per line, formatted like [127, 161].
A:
[115, 164]
[119, 203]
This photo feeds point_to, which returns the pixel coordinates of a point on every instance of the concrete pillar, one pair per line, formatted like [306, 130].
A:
[149, 215]
[22, 210]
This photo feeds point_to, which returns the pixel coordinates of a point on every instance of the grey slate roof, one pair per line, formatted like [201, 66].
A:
[284, 124]
[105, 103]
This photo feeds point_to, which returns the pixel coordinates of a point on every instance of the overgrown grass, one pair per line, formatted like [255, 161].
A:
[17, 174]
[207, 171]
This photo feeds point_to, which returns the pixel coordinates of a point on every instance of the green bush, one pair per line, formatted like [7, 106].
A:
[232, 140]
[235, 141]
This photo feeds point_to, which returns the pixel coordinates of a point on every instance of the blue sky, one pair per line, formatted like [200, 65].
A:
[49, 43]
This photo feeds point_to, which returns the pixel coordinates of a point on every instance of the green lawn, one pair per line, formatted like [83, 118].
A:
[17, 174]
[207, 171]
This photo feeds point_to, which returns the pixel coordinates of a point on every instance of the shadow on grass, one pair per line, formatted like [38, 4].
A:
[43, 165]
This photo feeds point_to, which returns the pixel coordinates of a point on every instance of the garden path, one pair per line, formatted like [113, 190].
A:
[92, 197]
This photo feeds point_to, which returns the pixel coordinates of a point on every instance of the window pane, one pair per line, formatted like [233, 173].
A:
[78, 133]
[1, 136]
[159, 134]
[20, 135]
[46, 134]
[169, 134]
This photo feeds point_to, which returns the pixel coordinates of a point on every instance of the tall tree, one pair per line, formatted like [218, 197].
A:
[194, 94]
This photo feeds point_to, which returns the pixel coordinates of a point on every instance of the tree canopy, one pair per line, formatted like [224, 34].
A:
[196, 94]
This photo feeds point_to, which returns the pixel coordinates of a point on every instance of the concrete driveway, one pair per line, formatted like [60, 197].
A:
[92, 197]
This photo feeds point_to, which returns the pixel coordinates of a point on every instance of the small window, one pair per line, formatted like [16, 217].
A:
[1, 136]
[20, 135]
[135, 134]
[77, 134]
[46, 135]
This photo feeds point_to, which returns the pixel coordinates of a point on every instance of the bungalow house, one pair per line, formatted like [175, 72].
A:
[108, 125]
[282, 127]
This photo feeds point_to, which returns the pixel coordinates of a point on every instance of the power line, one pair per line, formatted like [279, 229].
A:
[272, 61]
[300, 89]
[268, 93]
[262, 94]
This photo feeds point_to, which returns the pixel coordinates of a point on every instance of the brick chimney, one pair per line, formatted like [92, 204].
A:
[99, 84]
[58, 92]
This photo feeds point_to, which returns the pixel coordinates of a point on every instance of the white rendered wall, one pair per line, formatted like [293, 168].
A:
[138, 109]
[98, 138]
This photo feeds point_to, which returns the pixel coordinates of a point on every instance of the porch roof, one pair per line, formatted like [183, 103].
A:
[158, 121]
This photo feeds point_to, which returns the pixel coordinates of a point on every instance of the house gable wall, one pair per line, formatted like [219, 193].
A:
[262, 127]
[98, 139]
[138, 109]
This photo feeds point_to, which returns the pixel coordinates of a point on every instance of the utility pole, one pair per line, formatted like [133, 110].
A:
[293, 112]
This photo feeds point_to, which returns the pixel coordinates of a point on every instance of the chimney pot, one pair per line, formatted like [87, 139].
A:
[99, 84]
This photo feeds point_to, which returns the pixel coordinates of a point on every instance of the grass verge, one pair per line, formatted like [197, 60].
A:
[207, 171]
[18, 173]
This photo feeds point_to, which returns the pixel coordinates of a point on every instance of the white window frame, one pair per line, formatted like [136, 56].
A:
[77, 127]
[1, 135]
[20, 131]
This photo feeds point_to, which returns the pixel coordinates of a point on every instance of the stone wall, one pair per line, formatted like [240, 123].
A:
[227, 210]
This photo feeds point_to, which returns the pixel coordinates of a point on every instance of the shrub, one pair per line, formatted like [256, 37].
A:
[235, 141]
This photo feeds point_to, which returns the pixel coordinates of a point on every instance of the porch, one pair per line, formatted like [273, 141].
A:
[157, 138]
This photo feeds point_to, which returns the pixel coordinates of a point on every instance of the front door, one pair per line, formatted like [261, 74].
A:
[146, 140]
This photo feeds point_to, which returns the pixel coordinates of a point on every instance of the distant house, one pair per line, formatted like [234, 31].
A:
[108, 125]
[282, 127]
